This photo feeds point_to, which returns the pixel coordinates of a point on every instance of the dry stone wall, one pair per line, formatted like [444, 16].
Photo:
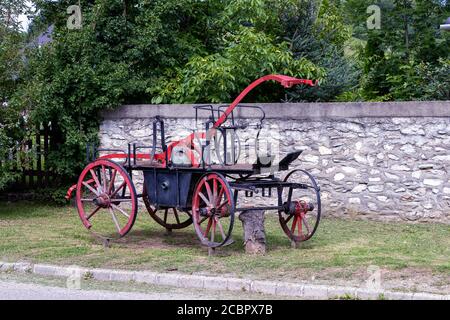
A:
[370, 163]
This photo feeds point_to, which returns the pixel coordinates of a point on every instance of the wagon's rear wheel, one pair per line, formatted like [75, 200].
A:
[213, 210]
[106, 199]
[300, 216]
[169, 218]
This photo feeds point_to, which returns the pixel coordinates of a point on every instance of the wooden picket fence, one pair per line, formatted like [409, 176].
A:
[30, 161]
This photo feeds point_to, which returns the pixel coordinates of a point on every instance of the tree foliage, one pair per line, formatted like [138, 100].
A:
[408, 50]
[11, 66]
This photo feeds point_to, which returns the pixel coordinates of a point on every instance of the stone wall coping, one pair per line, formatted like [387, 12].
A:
[293, 111]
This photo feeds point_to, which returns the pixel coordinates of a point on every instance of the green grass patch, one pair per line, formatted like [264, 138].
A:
[42, 233]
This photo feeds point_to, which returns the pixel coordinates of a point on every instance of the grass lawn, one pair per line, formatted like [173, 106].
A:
[413, 256]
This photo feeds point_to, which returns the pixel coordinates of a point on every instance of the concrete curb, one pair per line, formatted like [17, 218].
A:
[276, 288]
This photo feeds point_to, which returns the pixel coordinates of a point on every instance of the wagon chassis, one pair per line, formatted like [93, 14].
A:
[208, 193]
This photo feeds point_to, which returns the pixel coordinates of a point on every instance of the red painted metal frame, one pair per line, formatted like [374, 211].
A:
[285, 81]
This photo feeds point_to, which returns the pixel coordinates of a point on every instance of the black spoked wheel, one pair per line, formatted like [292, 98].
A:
[169, 218]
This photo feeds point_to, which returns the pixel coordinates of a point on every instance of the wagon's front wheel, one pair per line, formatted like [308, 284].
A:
[213, 210]
[106, 199]
[301, 211]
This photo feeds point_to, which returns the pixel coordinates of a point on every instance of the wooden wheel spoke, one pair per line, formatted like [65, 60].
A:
[94, 176]
[111, 211]
[208, 227]
[221, 228]
[288, 219]
[203, 220]
[294, 223]
[222, 204]
[204, 198]
[104, 178]
[120, 210]
[305, 222]
[121, 200]
[118, 189]
[166, 211]
[87, 200]
[219, 197]
[92, 213]
[208, 190]
[214, 200]
[87, 185]
[124, 190]
[213, 232]
[299, 231]
[175, 212]
[111, 182]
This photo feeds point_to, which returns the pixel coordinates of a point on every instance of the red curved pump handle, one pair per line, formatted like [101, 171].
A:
[285, 81]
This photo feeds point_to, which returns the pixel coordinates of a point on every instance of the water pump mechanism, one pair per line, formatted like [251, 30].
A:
[180, 156]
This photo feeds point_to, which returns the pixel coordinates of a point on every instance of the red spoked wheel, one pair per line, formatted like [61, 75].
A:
[301, 211]
[213, 210]
[169, 218]
[106, 199]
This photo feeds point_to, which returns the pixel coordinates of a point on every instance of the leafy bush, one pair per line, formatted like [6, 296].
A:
[219, 77]
[401, 57]
[320, 35]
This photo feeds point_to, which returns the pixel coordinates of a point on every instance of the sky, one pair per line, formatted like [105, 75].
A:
[23, 19]
[24, 22]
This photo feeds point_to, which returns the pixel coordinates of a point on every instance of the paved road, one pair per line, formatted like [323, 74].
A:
[10, 290]
[15, 286]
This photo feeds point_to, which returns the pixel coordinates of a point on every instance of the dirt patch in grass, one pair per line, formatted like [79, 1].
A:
[413, 256]
[145, 239]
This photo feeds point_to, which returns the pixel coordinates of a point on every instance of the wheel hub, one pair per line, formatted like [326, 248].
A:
[213, 211]
[103, 201]
[204, 212]
[298, 207]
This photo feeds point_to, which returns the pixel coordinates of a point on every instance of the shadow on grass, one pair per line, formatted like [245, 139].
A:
[146, 237]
